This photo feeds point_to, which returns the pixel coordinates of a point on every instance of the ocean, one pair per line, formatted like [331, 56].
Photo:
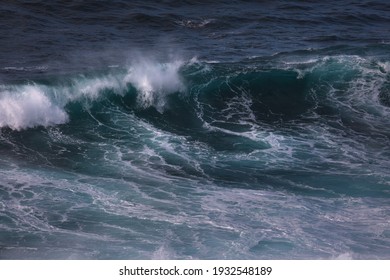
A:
[195, 129]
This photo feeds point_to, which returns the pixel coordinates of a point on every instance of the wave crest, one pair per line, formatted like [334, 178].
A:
[155, 81]
[28, 107]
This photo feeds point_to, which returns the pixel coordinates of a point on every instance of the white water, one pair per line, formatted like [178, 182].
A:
[28, 106]
[155, 81]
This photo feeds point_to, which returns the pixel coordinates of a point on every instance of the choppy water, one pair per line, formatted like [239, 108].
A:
[191, 130]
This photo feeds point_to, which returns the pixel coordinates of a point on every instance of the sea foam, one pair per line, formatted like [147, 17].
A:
[28, 107]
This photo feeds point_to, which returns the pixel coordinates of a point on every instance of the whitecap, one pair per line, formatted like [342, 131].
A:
[27, 107]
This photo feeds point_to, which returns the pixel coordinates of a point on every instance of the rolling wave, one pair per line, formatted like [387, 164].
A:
[212, 94]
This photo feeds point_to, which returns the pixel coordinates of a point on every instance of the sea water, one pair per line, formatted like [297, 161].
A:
[194, 130]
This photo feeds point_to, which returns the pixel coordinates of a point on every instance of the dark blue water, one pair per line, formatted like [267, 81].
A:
[194, 130]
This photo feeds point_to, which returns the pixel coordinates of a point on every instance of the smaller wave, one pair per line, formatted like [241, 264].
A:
[194, 24]
[352, 81]
[41, 68]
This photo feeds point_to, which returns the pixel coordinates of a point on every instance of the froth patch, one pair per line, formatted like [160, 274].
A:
[29, 107]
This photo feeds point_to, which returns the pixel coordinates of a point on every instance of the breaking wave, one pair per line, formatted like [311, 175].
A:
[217, 96]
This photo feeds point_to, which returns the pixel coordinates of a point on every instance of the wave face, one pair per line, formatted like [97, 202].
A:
[224, 148]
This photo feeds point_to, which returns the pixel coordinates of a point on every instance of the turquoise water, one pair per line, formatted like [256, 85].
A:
[210, 150]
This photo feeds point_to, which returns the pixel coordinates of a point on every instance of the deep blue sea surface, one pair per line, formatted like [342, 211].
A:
[195, 129]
